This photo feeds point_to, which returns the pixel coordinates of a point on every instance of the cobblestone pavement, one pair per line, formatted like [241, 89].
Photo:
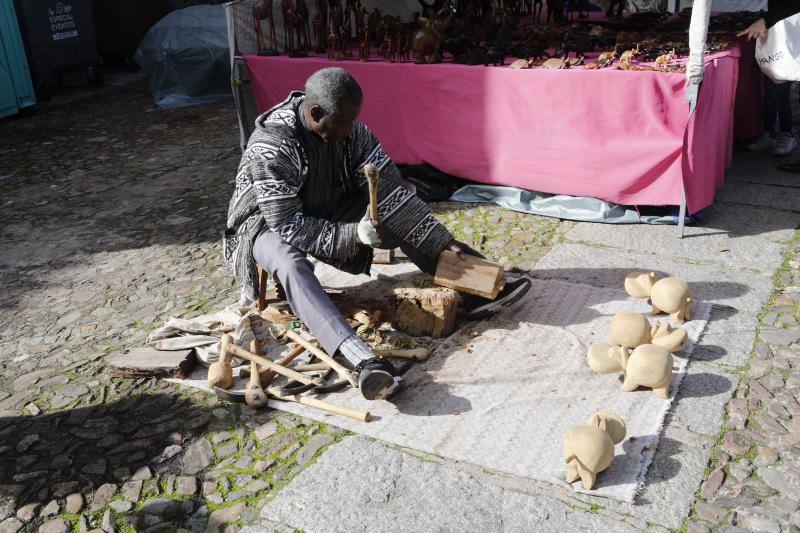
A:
[111, 218]
[753, 480]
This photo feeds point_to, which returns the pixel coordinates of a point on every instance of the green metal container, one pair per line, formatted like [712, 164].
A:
[16, 89]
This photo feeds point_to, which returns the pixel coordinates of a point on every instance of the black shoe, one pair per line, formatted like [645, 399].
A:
[479, 308]
[376, 379]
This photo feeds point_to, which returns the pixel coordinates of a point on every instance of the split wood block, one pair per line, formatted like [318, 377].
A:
[146, 362]
[382, 257]
[469, 274]
[423, 309]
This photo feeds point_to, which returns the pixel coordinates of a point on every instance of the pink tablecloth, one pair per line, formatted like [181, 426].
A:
[624, 137]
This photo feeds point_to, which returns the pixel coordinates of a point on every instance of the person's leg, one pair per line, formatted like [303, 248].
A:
[783, 106]
[305, 294]
[770, 111]
[313, 306]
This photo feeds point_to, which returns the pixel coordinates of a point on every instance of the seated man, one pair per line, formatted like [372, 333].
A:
[301, 190]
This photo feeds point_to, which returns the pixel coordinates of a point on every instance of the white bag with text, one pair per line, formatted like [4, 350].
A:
[778, 50]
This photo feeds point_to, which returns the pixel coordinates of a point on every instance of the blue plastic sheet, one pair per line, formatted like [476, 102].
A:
[186, 57]
[578, 208]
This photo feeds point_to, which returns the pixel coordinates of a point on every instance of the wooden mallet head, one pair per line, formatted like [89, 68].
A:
[220, 374]
[254, 395]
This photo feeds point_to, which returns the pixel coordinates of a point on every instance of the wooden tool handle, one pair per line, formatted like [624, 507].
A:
[224, 345]
[316, 367]
[420, 354]
[269, 375]
[282, 370]
[339, 369]
[362, 416]
[373, 175]
[255, 378]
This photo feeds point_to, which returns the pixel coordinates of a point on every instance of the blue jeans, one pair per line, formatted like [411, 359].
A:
[777, 106]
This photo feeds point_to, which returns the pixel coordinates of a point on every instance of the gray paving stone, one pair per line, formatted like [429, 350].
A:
[728, 338]
[701, 400]
[786, 198]
[606, 267]
[746, 234]
[390, 495]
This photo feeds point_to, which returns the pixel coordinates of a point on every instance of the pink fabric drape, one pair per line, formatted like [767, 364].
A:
[624, 137]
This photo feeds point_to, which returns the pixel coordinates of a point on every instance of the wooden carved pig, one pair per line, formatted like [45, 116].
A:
[649, 365]
[672, 296]
[589, 449]
[638, 284]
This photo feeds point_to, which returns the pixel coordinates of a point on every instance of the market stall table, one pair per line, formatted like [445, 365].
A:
[621, 136]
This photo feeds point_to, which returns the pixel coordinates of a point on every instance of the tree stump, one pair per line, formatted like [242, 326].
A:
[422, 308]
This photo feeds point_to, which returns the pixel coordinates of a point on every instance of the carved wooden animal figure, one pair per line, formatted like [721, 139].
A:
[662, 61]
[287, 8]
[603, 60]
[639, 284]
[649, 365]
[321, 25]
[672, 296]
[589, 449]
[262, 10]
[427, 42]
[363, 46]
[521, 64]
[301, 25]
[626, 59]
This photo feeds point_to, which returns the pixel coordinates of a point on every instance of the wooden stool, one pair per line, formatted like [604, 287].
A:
[263, 277]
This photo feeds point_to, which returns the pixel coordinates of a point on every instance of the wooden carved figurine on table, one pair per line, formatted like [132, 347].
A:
[301, 28]
[627, 58]
[604, 60]
[402, 47]
[287, 8]
[427, 42]
[538, 7]
[589, 449]
[321, 25]
[333, 44]
[662, 61]
[363, 45]
[262, 10]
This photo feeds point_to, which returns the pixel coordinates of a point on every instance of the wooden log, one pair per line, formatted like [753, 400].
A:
[423, 309]
[146, 362]
[382, 257]
[467, 273]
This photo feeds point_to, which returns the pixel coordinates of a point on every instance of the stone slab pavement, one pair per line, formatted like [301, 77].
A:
[732, 259]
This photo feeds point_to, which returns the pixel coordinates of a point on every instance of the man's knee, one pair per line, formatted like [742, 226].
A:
[277, 257]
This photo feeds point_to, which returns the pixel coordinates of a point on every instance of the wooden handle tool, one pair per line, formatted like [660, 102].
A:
[362, 416]
[419, 354]
[342, 371]
[315, 367]
[254, 395]
[373, 175]
[295, 352]
[275, 367]
[220, 374]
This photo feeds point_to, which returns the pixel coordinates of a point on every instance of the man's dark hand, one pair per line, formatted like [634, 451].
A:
[461, 248]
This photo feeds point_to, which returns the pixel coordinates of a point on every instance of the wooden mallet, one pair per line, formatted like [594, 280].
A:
[275, 392]
[339, 369]
[418, 354]
[371, 171]
[254, 395]
[220, 374]
[275, 367]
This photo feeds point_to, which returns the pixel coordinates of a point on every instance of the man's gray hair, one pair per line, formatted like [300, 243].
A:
[330, 87]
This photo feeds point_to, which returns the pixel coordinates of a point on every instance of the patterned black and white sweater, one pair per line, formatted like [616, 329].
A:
[313, 193]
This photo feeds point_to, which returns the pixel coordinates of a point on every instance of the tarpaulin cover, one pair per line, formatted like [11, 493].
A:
[623, 137]
[186, 56]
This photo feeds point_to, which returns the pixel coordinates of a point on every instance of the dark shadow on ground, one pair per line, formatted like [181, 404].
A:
[78, 450]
